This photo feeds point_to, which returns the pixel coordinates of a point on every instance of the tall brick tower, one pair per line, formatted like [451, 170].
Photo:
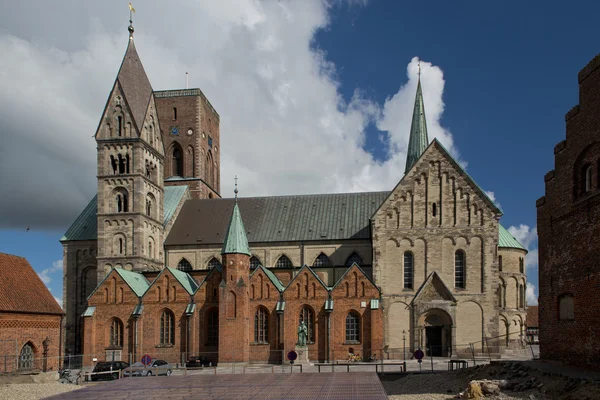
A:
[130, 173]
[234, 330]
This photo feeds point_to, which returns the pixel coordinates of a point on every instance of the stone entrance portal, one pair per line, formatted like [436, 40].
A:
[436, 333]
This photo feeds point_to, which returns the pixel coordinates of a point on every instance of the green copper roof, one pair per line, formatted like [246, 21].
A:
[185, 279]
[137, 282]
[236, 241]
[85, 226]
[418, 141]
[505, 239]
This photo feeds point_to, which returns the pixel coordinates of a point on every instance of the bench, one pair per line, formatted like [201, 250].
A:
[348, 365]
[458, 364]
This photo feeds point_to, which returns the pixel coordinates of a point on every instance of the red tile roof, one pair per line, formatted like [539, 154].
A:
[22, 290]
[532, 317]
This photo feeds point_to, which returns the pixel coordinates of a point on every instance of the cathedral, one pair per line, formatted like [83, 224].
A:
[159, 263]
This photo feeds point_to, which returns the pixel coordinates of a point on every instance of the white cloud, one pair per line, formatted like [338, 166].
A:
[492, 197]
[285, 128]
[528, 238]
[531, 295]
[59, 301]
[45, 275]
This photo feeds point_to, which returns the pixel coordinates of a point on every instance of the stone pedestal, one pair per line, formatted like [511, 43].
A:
[302, 352]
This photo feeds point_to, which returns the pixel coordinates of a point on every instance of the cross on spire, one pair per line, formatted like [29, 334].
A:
[130, 28]
[236, 189]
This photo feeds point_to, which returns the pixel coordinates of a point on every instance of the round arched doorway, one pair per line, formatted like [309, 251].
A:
[436, 332]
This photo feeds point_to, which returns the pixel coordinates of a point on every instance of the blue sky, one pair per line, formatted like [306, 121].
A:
[500, 76]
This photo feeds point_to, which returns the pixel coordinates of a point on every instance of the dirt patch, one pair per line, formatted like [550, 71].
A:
[521, 382]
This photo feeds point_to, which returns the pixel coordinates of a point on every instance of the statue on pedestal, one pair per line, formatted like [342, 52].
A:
[302, 334]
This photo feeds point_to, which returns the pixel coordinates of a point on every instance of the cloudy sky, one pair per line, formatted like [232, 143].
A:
[314, 97]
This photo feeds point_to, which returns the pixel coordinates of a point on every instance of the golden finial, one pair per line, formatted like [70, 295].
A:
[130, 28]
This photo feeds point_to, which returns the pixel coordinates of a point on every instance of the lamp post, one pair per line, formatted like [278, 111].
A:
[45, 345]
[404, 343]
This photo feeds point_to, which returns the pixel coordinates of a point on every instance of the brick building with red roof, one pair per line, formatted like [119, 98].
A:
[29, 315]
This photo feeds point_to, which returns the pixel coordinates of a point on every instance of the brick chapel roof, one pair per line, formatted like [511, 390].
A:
[532, 317]
[22, 290]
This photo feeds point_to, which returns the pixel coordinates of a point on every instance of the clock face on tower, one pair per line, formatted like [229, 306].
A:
[174, 130]
[190, 131]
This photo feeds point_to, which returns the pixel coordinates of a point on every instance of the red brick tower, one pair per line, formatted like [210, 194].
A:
[234, 320]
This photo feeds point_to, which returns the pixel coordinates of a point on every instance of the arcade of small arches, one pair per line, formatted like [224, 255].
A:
[283, 261]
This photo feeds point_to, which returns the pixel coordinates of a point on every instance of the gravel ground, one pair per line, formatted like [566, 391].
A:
[34, 391]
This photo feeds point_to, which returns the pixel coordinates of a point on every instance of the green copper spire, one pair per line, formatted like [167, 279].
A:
[418, 141]
[236, 241]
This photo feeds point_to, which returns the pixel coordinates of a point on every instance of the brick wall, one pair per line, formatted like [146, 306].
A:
[569, 234]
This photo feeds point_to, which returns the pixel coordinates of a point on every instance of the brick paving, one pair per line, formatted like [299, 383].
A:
[333, 386]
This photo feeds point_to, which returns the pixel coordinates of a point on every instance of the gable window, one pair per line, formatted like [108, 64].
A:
[261, 326]
[500, 263]
[408, 270]
[322, 261]
[254, 262]
[120, 125]
[566, 307]
[308, 316]
[184, 265]
[283, 262]
[116, 333]
[521, 265]
[352, 327]
[214, 263]
[167, 328]
[354, 258]
[459, 269]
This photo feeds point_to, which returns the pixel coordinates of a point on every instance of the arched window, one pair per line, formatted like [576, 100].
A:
[588, 178]
[521, 265]
[261, 326]
[184, 265]
[121, 246]
[566, 307]
[254, 262]
[177, 160]
[308, 316]
[119, 125]
[214, 263]
[212, 327]
[352, 327]
[283, 262]
[113, 163]
[500, 263]
[459, 269]
[26, 357]
[115, 338]
[149, 207]
[354, 258]
[433, 209]
[174, 113]
[322, 261]
[167, 328]
[409, 261]
[209, 170]
[150, 249]
[521, 296]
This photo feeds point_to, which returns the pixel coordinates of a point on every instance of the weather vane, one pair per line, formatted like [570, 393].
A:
[130, 29]
[236, 189]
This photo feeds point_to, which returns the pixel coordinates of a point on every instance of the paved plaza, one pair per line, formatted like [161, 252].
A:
[343, 385]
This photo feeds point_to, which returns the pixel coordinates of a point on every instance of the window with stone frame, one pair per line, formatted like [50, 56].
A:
[566, 307]
[352, 327]
[254, 262]
[212, 327]
[322, 261]
[184, 265]
[283, 262]
[116, 334]
[500, 263]
[521, 265]
[167, 328]
[460, 270]
[214, 263]
[409, 261]
[261, 326]
[354, 258]
[308, 316]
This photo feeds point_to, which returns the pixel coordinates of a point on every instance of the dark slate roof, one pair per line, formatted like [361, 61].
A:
[85, 226]
[278, 218]
[22, 290]
[135, 84]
